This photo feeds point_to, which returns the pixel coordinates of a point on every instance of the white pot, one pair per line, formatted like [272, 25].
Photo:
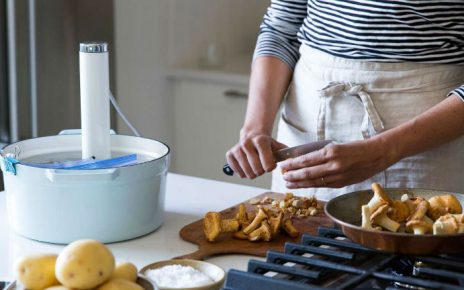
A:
[109, 205]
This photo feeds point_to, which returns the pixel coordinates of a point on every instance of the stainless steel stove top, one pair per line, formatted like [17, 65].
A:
[330, 261]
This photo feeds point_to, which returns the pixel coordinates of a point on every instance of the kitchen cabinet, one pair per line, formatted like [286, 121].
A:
[209, 109]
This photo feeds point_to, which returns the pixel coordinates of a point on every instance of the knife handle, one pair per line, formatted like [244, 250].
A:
[227, 170]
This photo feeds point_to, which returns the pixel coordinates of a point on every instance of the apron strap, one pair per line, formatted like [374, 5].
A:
[371, 115]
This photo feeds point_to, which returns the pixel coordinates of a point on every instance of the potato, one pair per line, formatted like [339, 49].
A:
[59, 287]
[84, 264]
[125, 270]
[120, 284]
[37, 272]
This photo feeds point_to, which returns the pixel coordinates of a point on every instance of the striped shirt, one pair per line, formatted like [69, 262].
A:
[424, 31]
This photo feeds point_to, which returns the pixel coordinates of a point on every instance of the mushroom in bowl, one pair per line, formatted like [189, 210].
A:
[409, 207]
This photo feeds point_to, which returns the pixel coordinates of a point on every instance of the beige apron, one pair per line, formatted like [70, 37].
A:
[343, 100]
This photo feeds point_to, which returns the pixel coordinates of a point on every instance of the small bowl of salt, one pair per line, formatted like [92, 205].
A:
[185, 274]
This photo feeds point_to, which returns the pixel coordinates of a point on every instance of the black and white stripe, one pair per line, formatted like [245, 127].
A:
[425, 31]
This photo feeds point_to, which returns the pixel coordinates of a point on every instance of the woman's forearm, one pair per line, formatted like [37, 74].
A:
[270, 78]
[436, 126]
[252, 155]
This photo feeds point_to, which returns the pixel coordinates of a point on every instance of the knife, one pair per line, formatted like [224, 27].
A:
[291, 152]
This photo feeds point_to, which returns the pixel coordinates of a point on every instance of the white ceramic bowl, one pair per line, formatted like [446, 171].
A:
[216, 273]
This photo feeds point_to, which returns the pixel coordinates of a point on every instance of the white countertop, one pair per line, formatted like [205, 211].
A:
[187, 200]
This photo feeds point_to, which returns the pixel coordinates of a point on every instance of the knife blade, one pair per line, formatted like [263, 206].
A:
[286, 153]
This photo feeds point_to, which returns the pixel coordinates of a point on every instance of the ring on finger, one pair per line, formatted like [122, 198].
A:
[323, 182]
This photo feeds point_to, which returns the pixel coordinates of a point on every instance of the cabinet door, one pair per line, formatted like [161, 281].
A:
[208, 118]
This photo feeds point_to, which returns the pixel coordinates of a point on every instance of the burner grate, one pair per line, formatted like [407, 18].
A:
[330, 261]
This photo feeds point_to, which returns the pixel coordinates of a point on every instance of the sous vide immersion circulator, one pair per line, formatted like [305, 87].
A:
[95, 102]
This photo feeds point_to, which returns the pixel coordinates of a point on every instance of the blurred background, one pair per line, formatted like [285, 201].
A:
[179, 70]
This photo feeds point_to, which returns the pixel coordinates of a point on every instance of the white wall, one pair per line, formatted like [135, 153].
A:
[141, 37]
[194, 24]
[153, 36]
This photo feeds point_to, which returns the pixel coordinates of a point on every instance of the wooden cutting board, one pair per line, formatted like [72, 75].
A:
[226, 244]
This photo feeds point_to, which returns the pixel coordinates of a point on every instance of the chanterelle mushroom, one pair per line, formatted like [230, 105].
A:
[213, 225]
[412, 203]
[404, 197]
[419, 227]
[276, 223]
[459, 218]
[260, 216]
[420, 210]
[417, 222]
[262, 233]
[400, 211]
[290, 228]
[443, 204]
[240, 235]
[380, 218]
[366, 218]
[461, 229]
[241, 216]
[446, 224]
[380, 198]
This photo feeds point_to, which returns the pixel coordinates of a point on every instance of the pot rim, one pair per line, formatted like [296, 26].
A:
[92, 169]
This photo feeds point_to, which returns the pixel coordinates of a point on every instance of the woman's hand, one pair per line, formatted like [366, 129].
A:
[337, 165]
[252, 156]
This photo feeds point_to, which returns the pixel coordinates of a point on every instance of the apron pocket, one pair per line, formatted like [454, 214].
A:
[346, 114]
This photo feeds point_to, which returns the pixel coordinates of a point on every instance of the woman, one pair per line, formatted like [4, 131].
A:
[382, 79]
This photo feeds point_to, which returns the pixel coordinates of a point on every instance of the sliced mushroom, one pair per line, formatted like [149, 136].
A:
[380, 198]
[213, 225]
[379, 217]
[288, 196]
[443, 204]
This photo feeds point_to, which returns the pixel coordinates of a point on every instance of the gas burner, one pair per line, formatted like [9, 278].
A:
[405, 267]
[331, 261]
